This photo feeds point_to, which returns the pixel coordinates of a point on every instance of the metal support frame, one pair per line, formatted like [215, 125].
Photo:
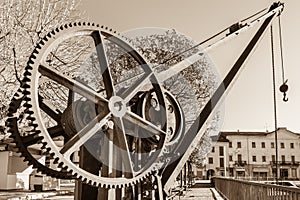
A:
[185, 148]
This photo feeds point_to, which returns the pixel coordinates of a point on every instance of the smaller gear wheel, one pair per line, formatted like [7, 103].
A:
[150, 110]
[28, 142]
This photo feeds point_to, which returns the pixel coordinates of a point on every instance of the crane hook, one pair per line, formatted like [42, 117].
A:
[284, 88]
[285, 99]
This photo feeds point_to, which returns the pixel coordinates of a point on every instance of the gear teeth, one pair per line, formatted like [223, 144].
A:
[27, 105]
[38, 46]
[30, 118]
[60, 165]
[48, 36]
[28, 67]
[35, 51]
[26, 92]
[26, 79]
[56, 160]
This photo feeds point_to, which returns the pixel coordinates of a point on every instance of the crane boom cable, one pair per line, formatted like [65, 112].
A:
[210, 38]
[281, 50]
[254, 15]
[229, 36]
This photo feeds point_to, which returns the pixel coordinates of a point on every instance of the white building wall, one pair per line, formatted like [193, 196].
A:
[3, 169]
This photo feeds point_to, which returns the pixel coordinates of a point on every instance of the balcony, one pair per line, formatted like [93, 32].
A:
[284, 163]
[240, 163]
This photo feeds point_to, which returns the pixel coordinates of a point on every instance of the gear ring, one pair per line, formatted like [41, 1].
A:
[37, 67]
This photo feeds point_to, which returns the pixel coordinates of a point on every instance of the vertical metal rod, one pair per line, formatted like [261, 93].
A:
[117, 169]
[138, 160]
[90, 164]
[103, 193]
[275, 103]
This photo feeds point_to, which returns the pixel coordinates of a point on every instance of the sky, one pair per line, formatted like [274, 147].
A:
[249, 104]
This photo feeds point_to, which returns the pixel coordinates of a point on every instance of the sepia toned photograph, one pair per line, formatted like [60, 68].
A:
[149, 100]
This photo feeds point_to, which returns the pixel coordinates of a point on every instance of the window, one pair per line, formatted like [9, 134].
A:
[282, 145]
[239, 145]
[272, 145]
[263, 158]
[221, 151]
[230, 144]
[273, 158]
[239, 158]
[263, 145]
[283, 159]
[254, 158]
[221, 162]
[230, 158]
[274, 172]
[294, 172]
[210, 160]
[253, 145]
[292, 145]
[213, 149]
[293, 159]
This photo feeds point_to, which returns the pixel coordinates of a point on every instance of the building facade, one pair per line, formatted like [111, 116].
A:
[253, 155]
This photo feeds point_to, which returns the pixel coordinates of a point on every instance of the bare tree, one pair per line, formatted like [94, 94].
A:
[22, 25]
[192, 87]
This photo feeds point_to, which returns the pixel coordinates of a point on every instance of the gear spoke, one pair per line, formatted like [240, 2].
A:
[31, 139]
[56, 131]
[104, 69]
[84, 135]
[130, 92]
[48, 109]
[119, 132]
[70, 83]
[178, 67]
[145, 124]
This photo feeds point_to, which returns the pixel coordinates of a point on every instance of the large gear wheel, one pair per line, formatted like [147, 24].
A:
[99, 113]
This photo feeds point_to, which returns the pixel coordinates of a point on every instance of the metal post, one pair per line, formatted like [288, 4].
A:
[89, 163]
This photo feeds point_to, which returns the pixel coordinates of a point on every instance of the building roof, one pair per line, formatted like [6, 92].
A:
[222, 137]
[219, 138]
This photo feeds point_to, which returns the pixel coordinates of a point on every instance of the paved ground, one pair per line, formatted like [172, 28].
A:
[21, 195]
[190, 194]
[196, 194]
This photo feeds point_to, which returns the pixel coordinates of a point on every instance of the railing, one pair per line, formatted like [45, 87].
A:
[240, 163]
[285, 162]
[233, 189]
